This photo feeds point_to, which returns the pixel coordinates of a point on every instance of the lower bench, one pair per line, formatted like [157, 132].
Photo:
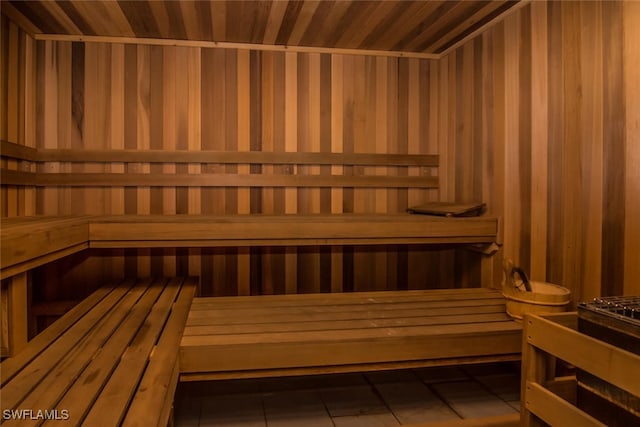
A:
[111, 360]
[235, 337]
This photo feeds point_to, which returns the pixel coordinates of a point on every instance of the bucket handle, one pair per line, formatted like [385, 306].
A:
[510, 271]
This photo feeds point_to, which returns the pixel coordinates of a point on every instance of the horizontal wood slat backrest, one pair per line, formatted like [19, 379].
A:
[211, 166]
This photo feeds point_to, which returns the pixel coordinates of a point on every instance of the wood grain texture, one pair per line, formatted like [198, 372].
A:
[18, 110]
[220, 131]
[401, 26]
[320, 332]
[555, 79]
[536, 116]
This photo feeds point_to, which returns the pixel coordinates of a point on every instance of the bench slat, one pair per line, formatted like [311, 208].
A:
[79, 399]
[157, 377]
[114, 399]
[197, 356]
[16, 389]
[333, 332]
[436, 311]
[333, 325]
[252, 313]
[41, 342]
[369, 335]
[335, 300]
[64, 373]
[116, 355]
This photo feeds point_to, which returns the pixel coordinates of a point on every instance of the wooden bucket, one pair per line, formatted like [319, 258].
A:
[544, 297]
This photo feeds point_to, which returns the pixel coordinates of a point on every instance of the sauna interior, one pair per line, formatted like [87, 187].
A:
[200, 198]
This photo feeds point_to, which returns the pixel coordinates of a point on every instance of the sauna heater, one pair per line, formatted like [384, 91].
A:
[616, 321]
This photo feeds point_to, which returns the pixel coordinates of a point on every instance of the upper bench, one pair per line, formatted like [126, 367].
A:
[28, 242]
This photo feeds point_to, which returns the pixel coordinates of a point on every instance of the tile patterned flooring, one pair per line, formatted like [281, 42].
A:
[371, 399]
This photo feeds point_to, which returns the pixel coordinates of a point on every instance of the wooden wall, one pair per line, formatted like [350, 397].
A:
[538, 116]
[117, 96]
[543, 122]
[17, 111]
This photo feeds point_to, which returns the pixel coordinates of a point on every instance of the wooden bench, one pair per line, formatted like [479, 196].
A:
[28, 242]
[110, 360]
[237, 337]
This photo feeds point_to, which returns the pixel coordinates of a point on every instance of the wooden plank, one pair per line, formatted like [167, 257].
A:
[555, 410]
[12, 270]
[349, 299]
[157, 376]
[128, 365]
[17, 317]
[351, 368]
[233, 45]
[341, 321]
[229, 157]
[69, 355]
[220, 180]
[26, 241]
[631, 55]
[17, 151]
[374, 334]
[585, 353]
[40, 342]
[253, 312]
[203, 354]
[263, 227]
[88, 386]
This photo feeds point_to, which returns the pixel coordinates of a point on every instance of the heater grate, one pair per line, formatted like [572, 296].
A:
[624, 308]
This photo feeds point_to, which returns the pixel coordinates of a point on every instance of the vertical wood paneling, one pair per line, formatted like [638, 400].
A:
[17, 111]
[539, 140]
[538, 116]
[565, 121]
[192, 99]
[631, 55]
[592, 149]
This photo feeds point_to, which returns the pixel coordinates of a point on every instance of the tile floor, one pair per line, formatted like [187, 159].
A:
[348, 400]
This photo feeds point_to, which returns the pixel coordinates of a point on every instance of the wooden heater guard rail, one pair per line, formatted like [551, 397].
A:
[551, 400]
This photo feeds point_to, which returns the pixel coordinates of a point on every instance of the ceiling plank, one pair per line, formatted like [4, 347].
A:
[383, 14]
[404, 24]
[9, 10]
[302, 22]
[465, 26]
[276, 15]
[397, 25]
[435, 32]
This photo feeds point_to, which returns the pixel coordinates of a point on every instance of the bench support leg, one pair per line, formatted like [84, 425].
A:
[14, 315]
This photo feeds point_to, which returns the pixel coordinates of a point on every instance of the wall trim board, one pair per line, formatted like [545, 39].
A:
[20, 152]
[232, 45]
[10, 177]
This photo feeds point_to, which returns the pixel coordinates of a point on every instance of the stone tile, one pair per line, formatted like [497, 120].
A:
[372, 420]
[295, 409]
[470, 400]
[413, 402]
[358, 400]
[232, 411]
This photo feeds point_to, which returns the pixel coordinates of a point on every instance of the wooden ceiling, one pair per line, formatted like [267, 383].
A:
[427, 26]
